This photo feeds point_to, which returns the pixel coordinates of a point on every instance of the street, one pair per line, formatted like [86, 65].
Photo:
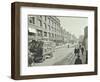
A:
[70, 57]
[62, 56]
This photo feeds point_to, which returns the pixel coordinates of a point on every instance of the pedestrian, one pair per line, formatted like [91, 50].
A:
[82, 50]
[79, 46]
[78, 60]
[78, 51]
[75, 51]
[86, 56]
[68, 45]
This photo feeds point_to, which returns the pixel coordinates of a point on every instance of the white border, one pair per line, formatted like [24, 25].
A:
[25, 70]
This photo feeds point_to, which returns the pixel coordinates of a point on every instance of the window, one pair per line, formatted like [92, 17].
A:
[52, 35]
[45, 18]
[39, 32]
[40, 22]
[32, 20]
[49, 20]
[55, 35]
[45, 34]
[52, 28]
[45, 25]
[49, 34]
[52, 23]
[49, 27]
[40, 16]
[55, 29]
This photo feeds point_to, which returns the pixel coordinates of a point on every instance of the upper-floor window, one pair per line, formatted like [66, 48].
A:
[32, 20]
[52, 23]
[49, 34]
[45, 18]
[45, 25]
[40, 16]
[49, 20]
[40, 22]
[45, 34]
[52, 35]
[49, 27]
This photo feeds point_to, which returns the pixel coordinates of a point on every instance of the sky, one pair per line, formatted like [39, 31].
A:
[74, 25]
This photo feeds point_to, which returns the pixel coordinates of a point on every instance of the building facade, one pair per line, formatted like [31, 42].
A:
[44, 28]
[47, 28]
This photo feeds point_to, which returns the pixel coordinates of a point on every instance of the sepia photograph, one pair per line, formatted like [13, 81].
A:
[57, 40]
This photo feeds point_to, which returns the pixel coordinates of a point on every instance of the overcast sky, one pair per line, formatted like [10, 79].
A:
[74, 25]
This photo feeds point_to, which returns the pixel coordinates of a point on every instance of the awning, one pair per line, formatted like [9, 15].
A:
[32, 30]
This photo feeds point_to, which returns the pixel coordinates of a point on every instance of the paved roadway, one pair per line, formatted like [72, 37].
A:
[70, 58]
[62, 56]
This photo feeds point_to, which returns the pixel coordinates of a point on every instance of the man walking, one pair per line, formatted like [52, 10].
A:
[78, 60]
[75, 51]
[82, 50]
[78, 51]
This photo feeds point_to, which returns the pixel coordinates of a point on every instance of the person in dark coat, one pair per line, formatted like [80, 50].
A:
[82, 50]
[75, 51]
[86, 56]
[78, 51]
[78, 60]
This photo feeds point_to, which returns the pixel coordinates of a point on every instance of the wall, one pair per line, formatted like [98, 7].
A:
[5, 40]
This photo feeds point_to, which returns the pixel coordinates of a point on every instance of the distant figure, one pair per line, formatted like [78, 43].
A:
[68, 46]
[78, 51]
[79, 46]
[86, 56]
[75, 51]
[82, 50]
[78, 60]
